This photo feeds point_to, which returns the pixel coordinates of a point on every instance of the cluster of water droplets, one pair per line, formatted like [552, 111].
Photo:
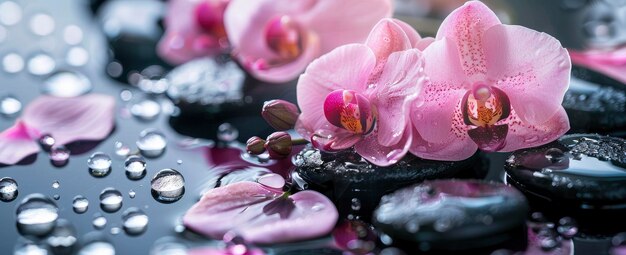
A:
[550, 235]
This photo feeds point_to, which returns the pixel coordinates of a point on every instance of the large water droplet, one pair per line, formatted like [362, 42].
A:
[135, 167]
[134, 221]
[97, 246]
[80, 204]
[72, 35]
[77, 56]
[36, 215]
[168, 185]
[146, 109]
[12, 63]
[99, 164]
[66, 84]
[10, 13]
[227, 132]
[41, 64]
[30, 248]
[63, 237]
[10, 106]
[555, 155]
[59, 156]
[8, 189]
[110, 200]
[121, 149]
[41, 24]
[567, 227]
[46, 142]
[168, 246]
[151, 143]
[99, 221]
[272, 180]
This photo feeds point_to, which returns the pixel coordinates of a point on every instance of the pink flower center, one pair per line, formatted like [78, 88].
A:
[210, 17]
[349, 110]
[284, 37]
[483, 107]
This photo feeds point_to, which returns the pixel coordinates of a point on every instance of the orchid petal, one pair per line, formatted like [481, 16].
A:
[452, 149]
[424, 43]
[442, 92]
[385, 38]
[261, 215]
[380, 155]
[528, 79]
[465, 27]
[16, 143]
[400, 82]
[525, 135]
[221, 251]
[612, 64]
[346, 67]
[411, 33]
[89, 117]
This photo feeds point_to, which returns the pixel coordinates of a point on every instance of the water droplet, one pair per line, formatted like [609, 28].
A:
[132, 193]
[355, 204]
[115, 230]
[126, 95]
[227, 132]
[59, 156]
[63, 237]
[77, 56]
[8, 189]
[80, 204]
[151, 143]
[179, 162]
[114, 69]
[10, 106]
[12, 63]
[99, 221]
[30, 248]
[99, 164]
[442, 225]
[56, 196]
[168, 185]
[134, 221]
[46, 142]
[547, 239]
[56, 185]
[41, 64]
[168, 246]
[412, 226]
[72, 35]
[111, 200]
[97, 247]
[567, 227]
[121, 149]
[272, 180]
[10, 13]
[318, 207]
[36, 215]
[41, 24]
[66, 84]
[146, 109]
[555, 155]
[135, 167]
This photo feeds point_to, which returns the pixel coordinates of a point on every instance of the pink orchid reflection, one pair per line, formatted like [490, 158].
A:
[193, 28]
[360, 94]
[261, 215]
[490, 86]
[610, 63]
[275, 40]
[85, 118]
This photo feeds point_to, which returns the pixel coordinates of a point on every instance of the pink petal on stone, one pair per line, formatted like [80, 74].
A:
[400, 82]
[332, 140]
[442, 92]
[88, 117]
[347, 67]
[380, 155]
[535, 81]
[524, 135]
[261, 215]
[17, 142]
[612, 64]
[272, 180]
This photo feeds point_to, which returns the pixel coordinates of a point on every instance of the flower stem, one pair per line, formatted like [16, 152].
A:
[299, 141]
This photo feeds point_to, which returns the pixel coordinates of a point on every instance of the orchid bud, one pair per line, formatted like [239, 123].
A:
[280, 114]
[278, 145]
[255, 145]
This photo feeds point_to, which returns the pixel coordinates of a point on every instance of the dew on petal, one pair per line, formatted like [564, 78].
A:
[272, 180]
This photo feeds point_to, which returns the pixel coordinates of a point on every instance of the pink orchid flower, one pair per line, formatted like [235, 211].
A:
[360, 94]
[194, 28]
[490, 86]
[275, 40]
[90, 117]
[610, 63]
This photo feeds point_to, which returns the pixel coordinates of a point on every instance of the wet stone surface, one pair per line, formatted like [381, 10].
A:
[356, 186]
[452, 214]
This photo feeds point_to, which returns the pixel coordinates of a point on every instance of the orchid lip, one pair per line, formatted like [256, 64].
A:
[349, 110]
[485, 105]
[285, 37]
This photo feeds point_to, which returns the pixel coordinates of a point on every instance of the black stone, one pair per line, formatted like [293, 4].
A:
[592, 107]
[356, 186]
[453, 215]
[581, 176]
